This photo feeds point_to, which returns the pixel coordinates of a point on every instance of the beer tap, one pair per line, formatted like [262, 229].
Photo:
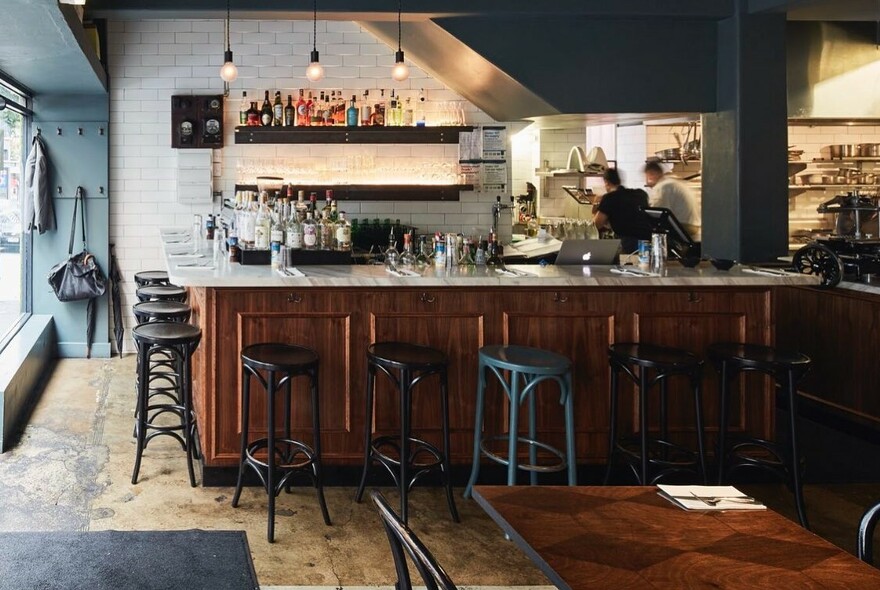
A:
[497, 208]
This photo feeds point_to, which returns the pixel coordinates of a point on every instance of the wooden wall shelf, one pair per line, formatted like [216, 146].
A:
[275, 135]
[382, 192]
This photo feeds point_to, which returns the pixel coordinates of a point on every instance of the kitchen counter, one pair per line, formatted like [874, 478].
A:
[339, 310]
[221, 273]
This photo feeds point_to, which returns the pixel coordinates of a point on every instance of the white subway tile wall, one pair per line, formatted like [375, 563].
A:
[151, 60]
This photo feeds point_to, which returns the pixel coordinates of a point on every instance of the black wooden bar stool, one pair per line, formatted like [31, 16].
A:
[652, 459]
[406, 458]
[285, 457]
[164, 378]
[161, 293]
[150, 277]
[180, 341]
[786, 368]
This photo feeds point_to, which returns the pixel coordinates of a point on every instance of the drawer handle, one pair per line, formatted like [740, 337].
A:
[294, 298]
[559, 298]
[694, 298]
[427, 298]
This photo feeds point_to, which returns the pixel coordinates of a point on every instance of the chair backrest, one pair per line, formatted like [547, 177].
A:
[405, 542]
[865, 543]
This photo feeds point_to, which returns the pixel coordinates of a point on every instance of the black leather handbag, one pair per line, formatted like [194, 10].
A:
[79, 276]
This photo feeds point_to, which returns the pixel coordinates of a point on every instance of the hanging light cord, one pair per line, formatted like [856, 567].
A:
[227, 25]
[399, 9]
[315, 25]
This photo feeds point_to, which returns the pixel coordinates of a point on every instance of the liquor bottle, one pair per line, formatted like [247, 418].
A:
[327, 113]
[325, 210]
[315, 117]
[313, 205]
[343, 233]
[266, 112]
[366, 110]
[277, 110]
[301, 110]
[243, 109]
[289, 113]
[466, 258]
[423, 258]
[392, 256]
[379, 110]
[301, 206]
[262, 225]
[391, 113]
[407, 259]
[408, 113]
[351, 115]
[420, 109]
[334, 208]
[276, 232]
[253, 116]
[328, 232]
[494, 258]
[294, 233]
[247, 223]
[310, 232]
[340, 112]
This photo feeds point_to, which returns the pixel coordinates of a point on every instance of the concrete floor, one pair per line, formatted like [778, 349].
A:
[72, 471]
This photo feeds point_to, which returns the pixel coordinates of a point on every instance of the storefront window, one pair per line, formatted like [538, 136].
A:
[13, 125]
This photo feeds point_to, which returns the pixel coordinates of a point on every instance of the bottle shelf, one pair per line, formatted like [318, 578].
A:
[279, 135]
[850, 159]
[383, 192]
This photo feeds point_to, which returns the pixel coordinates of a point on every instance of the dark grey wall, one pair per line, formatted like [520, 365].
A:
[584, 65]
[745, 170]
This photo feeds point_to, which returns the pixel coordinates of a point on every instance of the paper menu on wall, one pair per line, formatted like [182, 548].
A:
[494, 143]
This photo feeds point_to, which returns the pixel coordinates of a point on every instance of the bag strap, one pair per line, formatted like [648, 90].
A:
[79, 204]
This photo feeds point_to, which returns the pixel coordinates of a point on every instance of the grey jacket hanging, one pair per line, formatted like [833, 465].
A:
[39, 208]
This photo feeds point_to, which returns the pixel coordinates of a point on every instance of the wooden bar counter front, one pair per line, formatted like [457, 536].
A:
[338, 311]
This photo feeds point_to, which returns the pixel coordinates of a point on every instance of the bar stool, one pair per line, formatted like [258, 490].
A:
[179, 340]
[528, 368]
[786, 368]
[285, 457]
[660, 455]
[412, 363]
[162, 382]
[150, 277]
[161, 293]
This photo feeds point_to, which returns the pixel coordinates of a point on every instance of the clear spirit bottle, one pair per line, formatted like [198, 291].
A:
[343, 233]
[310, 232]
[407, 259]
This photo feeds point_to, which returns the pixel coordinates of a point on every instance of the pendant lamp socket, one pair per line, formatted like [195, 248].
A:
[400, 72]
[315, 71]
[228, 72]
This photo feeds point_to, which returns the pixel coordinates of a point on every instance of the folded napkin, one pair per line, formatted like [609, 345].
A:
[512, 273]
[632, 272]
[709, 498]
[185, 255]
[401, 272]
[205, 266]
[767, 272]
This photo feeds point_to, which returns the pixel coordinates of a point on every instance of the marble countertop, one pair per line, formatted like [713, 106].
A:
[211, 269]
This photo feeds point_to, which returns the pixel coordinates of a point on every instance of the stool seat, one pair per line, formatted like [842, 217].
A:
[757, 356]
[653, 356]
[161, 310]
[150, 277]
[403, 355]
[525, 358]
[160, 292]
[166, 333]
[274, 356]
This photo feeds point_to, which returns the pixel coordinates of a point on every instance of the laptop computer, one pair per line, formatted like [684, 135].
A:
[588, 252]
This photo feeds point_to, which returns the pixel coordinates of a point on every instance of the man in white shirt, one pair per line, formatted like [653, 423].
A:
[675, 195]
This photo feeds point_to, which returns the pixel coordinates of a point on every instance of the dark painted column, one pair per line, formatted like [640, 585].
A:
[745, 170]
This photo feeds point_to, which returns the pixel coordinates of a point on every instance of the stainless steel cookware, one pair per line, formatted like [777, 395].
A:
[844, 150]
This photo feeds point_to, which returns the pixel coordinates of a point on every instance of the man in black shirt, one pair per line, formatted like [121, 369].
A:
[619, 210]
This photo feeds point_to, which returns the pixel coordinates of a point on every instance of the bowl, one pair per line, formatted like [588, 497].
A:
[722, 263]
[690, 261]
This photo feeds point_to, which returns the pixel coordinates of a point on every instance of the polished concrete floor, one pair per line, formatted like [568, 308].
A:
[72, 470]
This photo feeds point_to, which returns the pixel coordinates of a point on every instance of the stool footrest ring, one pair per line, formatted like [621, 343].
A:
[552, 468]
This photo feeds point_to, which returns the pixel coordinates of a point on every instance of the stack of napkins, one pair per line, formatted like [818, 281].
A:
[401, 272]
[709, 498]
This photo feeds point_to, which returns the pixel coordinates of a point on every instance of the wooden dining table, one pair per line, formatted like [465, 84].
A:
[630, 537]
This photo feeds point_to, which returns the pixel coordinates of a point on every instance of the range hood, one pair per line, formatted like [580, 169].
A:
[833, 72]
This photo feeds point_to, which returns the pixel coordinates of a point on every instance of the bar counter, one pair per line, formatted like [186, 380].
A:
[578, 312]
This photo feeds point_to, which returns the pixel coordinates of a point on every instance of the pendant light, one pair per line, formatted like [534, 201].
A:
[228, 72]
[400, 72]
[315, 71]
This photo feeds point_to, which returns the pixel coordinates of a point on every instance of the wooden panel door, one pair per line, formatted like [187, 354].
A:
[579, 326]
[692, 320]
[456, 322]
[329, 321]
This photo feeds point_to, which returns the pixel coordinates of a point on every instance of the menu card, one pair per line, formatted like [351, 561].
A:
[709, 498]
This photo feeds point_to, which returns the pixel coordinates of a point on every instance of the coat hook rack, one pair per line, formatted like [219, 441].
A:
[59, 190]
[101, 189]
[100, 131]
[39, 132]
[79, 130]
[58, 130]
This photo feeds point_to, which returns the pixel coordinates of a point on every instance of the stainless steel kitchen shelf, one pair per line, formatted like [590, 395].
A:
[370, 134]
[851, 159]
[805, 187]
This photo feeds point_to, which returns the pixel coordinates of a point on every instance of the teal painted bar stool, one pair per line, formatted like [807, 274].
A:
[528, 367]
